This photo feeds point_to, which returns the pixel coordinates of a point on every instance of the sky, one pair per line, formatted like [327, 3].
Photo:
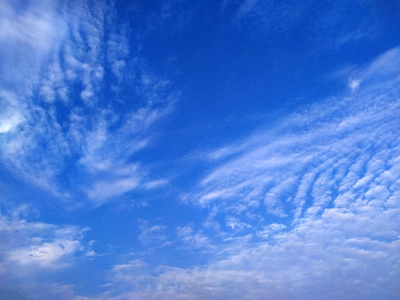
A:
[234, 149]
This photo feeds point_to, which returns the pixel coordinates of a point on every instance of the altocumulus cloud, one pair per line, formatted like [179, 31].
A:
[307, 209]
[66, 123]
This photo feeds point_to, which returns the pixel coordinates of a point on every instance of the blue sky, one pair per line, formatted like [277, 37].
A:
[199, 149]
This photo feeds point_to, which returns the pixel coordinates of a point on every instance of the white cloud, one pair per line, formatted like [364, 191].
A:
[11, 115]
[152, 235]
[354, 84]
[325, 250]
[105, 189]
[31, 251]
[193, 240]
[325, 158]
[29, 34]
[29, 245]
[45, 254]
[8, 124]
[271, 230]
[325, 223]
[57, 119]
[155, 183]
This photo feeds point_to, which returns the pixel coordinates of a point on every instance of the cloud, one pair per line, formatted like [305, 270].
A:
[192, 240]
[31, 250]
[106, 189]
[320, 193]
[275, 21]
[66, 128]
[354, 84]
[10, 117]
[45, 254]
[152, 235]
[29, 33]
[329, 153]
[37, 245]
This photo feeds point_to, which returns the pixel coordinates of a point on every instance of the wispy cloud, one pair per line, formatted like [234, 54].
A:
[29, 34]
[274, 20]
[152, 235]
[300, 212]
[193, 240]
[37, 245]
[30, 250]
[61, 118]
